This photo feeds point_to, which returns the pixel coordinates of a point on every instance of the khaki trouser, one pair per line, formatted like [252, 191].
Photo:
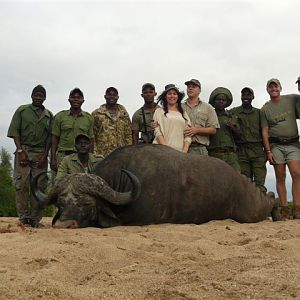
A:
[27, 206]
[198, 149]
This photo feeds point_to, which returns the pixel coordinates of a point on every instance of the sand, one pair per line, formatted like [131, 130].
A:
[216, 260]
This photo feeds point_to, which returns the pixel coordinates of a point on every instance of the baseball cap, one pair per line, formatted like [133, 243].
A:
[298, 80]
[39, 89]
[273, 80]
[247, 88]
[111, 88]
[194, 81]
[80, 135]
[148, 85]
[76, 91]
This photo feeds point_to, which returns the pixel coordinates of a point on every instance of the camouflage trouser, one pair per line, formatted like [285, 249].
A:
[27, 206]
[229, 157]
[252, 160]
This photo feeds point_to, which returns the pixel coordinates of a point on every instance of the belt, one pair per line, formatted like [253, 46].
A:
[195, 144]
[221, 151]
[67, 152]
[284, 140]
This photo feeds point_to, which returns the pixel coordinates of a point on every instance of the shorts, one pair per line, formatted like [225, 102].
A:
[285, 153]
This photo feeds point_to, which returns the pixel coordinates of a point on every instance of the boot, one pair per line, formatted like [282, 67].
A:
[296, 212]
[285, 213]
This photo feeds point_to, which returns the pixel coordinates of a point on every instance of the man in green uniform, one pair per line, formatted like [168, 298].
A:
[112, 126]
[67, 125]
[281, 142]
[203, 118]
[142, 118]
[222, 144]
[30, 128]
[252, 158]
[80, 162]
[298, 82]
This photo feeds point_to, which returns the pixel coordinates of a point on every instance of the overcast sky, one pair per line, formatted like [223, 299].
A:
[96, 44]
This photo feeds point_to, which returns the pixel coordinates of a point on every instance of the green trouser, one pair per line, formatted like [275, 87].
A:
[27, 206]
[252, 160]
[199, 149]
[229, 157]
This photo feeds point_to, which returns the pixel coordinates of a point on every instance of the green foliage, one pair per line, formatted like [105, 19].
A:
[7, 191]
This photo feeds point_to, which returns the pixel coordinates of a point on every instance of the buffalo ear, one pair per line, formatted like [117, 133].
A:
[106, 218]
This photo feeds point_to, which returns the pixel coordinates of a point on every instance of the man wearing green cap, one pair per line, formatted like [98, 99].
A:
[252, 158]
[30, 128]
[281, 142]
[67, 125]
[142, 118]
[298, 82]
[203, 118]
[80, 162]
[222, 144]
[298, 104]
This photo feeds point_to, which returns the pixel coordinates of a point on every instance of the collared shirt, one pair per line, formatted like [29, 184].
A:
[67, 126]
[111, 132]
[249, 121]
[224, 138]
[141, 126]
[34, 130]
[201, 115]
[71, 165]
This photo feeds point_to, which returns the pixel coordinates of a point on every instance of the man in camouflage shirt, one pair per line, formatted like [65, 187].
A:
[222, 144]
[30, 128]
[112, 127]
[252, 158]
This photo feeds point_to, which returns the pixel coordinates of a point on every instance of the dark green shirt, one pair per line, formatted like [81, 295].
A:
[249, 122]
[223, 138]
[33, 130]
[67, 126]
[71, 165]
[139, 124]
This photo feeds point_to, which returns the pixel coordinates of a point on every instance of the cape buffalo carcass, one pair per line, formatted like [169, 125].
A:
[152, 184]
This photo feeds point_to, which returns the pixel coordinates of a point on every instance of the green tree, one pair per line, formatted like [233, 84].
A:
[7, 191]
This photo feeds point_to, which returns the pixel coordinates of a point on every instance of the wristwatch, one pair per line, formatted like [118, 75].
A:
[20, 150]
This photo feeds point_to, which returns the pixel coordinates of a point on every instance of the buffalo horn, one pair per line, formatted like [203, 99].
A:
[37, 193]
[118, 198]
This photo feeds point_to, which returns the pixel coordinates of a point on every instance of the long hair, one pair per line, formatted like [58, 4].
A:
[162, 98]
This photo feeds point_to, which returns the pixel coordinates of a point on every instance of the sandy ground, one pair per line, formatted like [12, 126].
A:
[216, 260]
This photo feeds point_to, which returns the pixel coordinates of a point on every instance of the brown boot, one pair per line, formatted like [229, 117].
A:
[285, 213]
[296, 212]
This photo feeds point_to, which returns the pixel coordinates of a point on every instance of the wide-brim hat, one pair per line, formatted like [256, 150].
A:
[220, 90]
